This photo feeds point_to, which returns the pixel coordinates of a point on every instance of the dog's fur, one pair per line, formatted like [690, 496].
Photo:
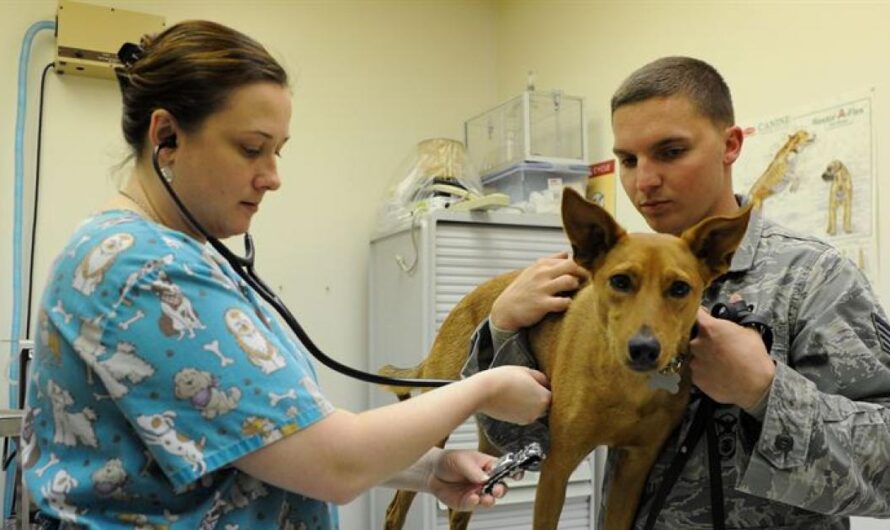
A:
[600, 353]
[772, 179]
[840, 195]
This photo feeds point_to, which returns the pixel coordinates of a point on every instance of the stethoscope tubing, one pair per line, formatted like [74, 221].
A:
[244, 267]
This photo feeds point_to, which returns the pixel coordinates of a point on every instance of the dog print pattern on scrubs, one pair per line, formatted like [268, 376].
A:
[155, 369]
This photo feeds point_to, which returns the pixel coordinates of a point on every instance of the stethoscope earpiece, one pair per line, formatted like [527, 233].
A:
[167, 174]
[168, 142]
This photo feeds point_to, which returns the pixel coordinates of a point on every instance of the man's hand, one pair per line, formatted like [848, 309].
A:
[730, 362]
[458, 477]
[536, 292]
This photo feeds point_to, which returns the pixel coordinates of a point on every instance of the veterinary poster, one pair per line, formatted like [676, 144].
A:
[815, 173]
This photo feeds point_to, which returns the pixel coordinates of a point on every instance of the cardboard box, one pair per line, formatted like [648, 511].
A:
[601, 185]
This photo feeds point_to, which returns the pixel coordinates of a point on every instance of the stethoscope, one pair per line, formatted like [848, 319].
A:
[244, 267]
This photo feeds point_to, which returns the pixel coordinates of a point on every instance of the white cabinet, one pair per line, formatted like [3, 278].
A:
[454, 253]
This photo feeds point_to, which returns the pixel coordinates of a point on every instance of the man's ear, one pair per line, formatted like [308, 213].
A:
[590, 229]
[733, 145]
[714, 240]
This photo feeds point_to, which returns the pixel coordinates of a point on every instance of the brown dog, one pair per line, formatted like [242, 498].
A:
[631, 320]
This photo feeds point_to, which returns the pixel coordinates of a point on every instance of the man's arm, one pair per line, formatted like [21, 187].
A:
[825, 439]
[502, 339]
[491, 349]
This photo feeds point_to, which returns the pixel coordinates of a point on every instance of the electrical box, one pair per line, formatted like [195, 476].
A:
[88, 36]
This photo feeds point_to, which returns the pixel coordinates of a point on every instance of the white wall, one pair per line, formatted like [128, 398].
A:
[370, 80]
[776, 56]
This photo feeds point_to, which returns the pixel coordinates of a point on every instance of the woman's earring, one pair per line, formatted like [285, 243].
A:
[167, 174]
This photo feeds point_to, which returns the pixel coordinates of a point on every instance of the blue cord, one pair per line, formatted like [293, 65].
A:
[17, 244]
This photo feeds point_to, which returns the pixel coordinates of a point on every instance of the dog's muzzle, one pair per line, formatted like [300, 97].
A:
[643, 351]
[676, 364]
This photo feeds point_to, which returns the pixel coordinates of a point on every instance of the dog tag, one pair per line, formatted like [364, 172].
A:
[669, 382]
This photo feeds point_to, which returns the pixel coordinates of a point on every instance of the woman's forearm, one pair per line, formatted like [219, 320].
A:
[417, 476]
[386, 440]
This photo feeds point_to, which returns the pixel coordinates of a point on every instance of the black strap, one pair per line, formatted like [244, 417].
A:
[715, 470]
[693, 436]
[703, 422]
[743, 314]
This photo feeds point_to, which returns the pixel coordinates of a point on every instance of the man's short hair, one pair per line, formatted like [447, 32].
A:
[671, 76]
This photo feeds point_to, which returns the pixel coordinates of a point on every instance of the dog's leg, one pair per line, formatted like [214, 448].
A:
[572, 438]
[832, 210]
[633, 467]
[458, 520]
[627, 485]
[398, 510]
[551, 490]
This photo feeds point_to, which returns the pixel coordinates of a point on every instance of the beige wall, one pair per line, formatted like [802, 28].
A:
[777, 56]
[370, 79]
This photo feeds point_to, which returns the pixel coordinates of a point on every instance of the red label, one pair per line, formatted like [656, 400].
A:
[602, 168]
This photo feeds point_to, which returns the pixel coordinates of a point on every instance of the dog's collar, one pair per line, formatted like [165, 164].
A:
[675, 365]
[668, 378]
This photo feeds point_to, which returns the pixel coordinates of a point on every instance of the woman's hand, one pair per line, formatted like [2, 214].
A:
[457, 478]
[536, 292]
[515, 394]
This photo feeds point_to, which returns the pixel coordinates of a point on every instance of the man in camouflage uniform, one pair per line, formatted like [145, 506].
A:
[803, 431]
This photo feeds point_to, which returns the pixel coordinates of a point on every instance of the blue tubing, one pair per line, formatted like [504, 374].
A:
[17, 243]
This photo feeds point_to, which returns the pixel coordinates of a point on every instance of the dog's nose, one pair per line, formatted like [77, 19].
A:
[644, 350]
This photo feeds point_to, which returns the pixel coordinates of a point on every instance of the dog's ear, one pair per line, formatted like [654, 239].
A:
[591, 230]
[714, 240]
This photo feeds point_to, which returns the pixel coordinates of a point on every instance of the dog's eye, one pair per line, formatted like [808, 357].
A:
[620, 282]
[679, 289]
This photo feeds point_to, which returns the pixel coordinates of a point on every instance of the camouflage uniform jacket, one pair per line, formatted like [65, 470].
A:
[820, 449]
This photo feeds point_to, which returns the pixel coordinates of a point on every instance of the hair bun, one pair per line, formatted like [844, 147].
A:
[147, 40]
[129, 54]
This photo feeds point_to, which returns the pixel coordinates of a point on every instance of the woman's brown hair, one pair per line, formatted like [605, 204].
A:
[189, 70]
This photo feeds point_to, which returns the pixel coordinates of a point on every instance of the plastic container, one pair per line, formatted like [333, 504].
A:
[537, 186]
[434, 176]
[534, 126]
